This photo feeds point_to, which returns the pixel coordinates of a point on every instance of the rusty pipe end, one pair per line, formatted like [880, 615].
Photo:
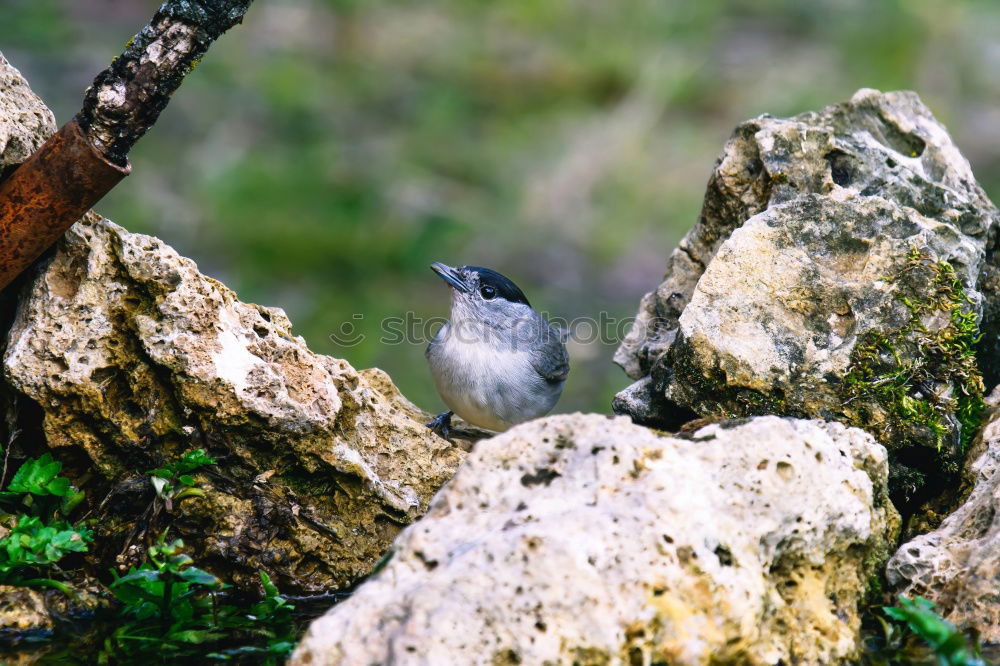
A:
[44, 196]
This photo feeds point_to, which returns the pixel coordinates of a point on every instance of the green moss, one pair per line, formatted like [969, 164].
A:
[874, 569]
[924, 375]
[874, 588]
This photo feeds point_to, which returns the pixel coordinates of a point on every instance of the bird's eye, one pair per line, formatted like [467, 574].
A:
[487, 291]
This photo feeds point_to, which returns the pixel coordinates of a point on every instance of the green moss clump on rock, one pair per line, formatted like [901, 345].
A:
[924, 373]
[923, 378]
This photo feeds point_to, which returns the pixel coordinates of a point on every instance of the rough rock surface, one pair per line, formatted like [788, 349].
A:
[813, 275]
[883, 145]
[958, 564]
[135, 358]
[584, 539]
[808, 309]
[25, 121]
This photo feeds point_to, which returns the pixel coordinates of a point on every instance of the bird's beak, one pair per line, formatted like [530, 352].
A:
[450, 275]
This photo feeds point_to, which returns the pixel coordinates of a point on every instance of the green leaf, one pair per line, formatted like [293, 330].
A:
[948, 643]
[145, 575]
[39, 477]
[199, 576]
[162, 472]
[270, 589]
[895, 613]
[59, 486]
[193, 636]
[177, 561]
[189, 492]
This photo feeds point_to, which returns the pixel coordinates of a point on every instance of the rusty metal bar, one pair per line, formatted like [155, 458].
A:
[88, 156]
[47, 194]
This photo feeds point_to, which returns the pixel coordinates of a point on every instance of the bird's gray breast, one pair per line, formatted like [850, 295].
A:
[489, 383]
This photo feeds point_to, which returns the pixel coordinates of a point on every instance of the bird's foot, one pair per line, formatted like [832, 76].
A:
[441, 425]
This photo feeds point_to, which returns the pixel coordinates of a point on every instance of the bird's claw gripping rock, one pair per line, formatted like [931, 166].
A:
[441, 425]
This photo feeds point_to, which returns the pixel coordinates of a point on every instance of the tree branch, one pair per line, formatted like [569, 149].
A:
[127, 98]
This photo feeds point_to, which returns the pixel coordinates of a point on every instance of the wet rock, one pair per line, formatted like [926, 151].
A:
[583, 539]
[22, 609]
[25, 121]
[833, 273]
[28, 615]
[958, 564]
[134, 358]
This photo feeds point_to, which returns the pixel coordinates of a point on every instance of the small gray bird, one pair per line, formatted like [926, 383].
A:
[497, 362]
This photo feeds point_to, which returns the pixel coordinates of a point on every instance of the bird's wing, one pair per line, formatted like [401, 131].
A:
[439, 337]
[549, 359]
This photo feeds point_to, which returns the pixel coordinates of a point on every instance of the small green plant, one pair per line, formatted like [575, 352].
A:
[188, 462]
[38, 536]
[913, 629]
[171, 609]
[271, 619]
[172, 481]
[40, 477]
[37, 482]
[32, 546]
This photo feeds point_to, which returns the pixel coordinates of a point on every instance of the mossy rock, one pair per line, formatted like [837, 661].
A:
[853, 309]
[798, 273]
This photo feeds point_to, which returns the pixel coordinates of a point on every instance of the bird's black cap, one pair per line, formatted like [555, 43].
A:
[505, 288]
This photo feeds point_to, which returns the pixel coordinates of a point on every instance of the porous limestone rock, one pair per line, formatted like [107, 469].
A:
[833, 273]
[589, 540]
[876, 145]
[958, 564]
[134, 357]
[852, 309]
[25, 121]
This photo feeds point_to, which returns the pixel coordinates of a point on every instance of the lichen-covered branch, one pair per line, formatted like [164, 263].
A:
[127, 98]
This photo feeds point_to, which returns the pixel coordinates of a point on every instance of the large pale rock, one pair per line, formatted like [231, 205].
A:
[958, 564]
[842, 308]
[583, 539]
[833, 273]
[25, 121]
[135, 357]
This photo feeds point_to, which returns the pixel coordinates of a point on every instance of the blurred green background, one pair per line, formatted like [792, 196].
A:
[325, 152]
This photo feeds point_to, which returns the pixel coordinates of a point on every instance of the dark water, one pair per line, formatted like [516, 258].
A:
[78, 639]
